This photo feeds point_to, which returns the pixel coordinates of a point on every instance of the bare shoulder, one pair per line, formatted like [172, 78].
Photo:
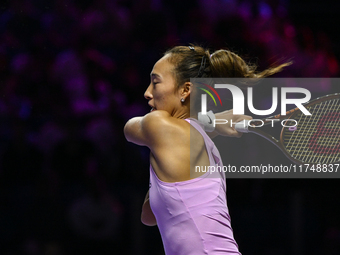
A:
[154, 129]
[161, 119]
[160, 127]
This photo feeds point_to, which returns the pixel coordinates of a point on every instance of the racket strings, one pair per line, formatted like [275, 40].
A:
[317, 138]
[299, 137]
[320, 141]
[314, 143]
[326, 129]
[298, 142]
[335, 138]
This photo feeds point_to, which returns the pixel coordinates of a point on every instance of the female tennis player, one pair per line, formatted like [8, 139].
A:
[190, 209]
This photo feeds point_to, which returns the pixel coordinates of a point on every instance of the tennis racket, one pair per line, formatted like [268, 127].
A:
[314, 140]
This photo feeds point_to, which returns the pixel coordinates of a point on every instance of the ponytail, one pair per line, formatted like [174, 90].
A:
[197, 62]
[224, 63]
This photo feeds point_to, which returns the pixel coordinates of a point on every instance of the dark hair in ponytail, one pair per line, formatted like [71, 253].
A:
[196, 62]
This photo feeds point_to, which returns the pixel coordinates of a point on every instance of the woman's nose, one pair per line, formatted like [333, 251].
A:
[148, 93]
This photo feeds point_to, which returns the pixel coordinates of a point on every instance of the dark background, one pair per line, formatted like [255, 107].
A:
[72, 72]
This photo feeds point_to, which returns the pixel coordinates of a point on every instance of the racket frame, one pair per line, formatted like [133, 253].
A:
[240, 127]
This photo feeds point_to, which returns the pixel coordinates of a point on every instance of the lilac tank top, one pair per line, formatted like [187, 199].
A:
[192, 216]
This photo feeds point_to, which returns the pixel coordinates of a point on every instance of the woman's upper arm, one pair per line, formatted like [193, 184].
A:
[147, 130]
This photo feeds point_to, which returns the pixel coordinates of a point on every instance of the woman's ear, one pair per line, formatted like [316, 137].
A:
[186, 90]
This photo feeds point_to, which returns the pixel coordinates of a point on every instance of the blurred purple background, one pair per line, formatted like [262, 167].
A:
[73, 72]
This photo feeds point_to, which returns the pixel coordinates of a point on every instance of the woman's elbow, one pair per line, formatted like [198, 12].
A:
[149, 223]
[147, 217]
[130, 129]
[127, 131]
[148, 220]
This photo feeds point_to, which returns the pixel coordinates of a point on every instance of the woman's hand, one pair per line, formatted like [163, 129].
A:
[227, 129]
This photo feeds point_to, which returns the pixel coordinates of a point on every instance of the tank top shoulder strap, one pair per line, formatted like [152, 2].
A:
[209, 143]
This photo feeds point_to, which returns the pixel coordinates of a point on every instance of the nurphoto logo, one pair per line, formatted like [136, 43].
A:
[238, 103]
